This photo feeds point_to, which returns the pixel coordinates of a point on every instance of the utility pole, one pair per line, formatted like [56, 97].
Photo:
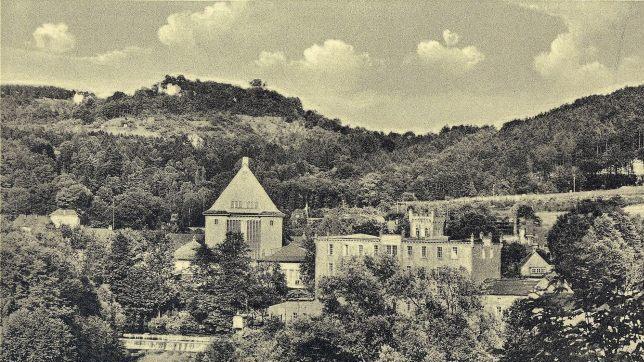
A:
[574, 181]
[112, 212]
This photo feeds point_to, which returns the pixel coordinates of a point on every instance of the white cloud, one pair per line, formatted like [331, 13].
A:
[334, 66]
[447, 57]
[55, 38]
[333, 56]
[270, 59]
[574, 58]
[115, 56]
[186, 29]
[450, 38]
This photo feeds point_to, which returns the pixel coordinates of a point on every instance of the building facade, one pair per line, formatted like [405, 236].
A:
[288, 258]
[245, 207]
[67, 217]
[534, 266]
[427, 248]
[499, 295]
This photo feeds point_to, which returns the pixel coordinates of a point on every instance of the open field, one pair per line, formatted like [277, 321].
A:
[632, 195]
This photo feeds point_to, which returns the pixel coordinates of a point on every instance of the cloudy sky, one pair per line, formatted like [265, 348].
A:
[385, 65]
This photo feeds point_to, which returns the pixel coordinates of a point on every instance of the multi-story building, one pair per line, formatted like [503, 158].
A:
[427, 248]
[244, 206]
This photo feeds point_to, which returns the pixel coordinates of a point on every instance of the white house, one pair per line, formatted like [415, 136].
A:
[534, 266]
[245, 207]
[67, 217]
[289, 258]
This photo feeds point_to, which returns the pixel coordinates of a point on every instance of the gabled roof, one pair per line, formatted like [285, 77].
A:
[518, 287]
[244, 195]
[291, 253]
[64, 212]
[534, 254]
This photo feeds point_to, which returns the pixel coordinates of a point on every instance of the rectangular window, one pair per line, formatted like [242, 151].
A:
[454, 252]
[439, 252]
[330, 249]
[375, 249]
[392, 250]
[408, 267]
[271, 222]
[360, 249]
[216, 221]
[331, 268]
[423, 251]
[410, 251]
[537, 270]
[233, 226]
[346, 249]
[253, 231]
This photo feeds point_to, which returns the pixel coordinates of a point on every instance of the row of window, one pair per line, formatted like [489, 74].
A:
[228, 222]
[428, 232]
[241, 205]
[393, 250]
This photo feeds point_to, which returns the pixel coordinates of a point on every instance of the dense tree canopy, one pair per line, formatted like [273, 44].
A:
[300, 156]
[597, 249]
[51, 308]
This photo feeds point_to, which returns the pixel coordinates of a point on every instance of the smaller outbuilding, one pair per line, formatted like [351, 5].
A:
[500, 294]
[289, 258]
[291, 309]
[185, 254]
[534, 265]
[67, 217]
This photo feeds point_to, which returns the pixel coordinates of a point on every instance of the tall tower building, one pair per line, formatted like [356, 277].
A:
[244, 206]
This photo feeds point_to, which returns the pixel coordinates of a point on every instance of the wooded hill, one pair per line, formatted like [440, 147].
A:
[64, 150]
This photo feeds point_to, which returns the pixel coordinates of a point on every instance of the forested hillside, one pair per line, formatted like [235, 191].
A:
[161, 156]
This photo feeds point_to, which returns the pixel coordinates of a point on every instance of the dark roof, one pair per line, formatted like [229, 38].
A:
[292, 253]
[520, 287]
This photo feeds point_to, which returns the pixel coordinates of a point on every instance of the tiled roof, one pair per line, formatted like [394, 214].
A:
[520, 287]
[64, 212]
[292, 253]
[244, 195]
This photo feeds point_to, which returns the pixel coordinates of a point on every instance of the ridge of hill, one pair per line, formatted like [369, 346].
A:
[194, 132]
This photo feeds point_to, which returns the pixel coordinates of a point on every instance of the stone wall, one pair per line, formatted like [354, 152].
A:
[165, 342]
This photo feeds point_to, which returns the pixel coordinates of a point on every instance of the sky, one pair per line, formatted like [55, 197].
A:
[382, 65]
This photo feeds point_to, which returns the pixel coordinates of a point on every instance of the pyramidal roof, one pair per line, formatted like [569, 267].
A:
[244, 195]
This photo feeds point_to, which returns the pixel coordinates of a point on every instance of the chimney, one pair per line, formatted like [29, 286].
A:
[245, 162]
